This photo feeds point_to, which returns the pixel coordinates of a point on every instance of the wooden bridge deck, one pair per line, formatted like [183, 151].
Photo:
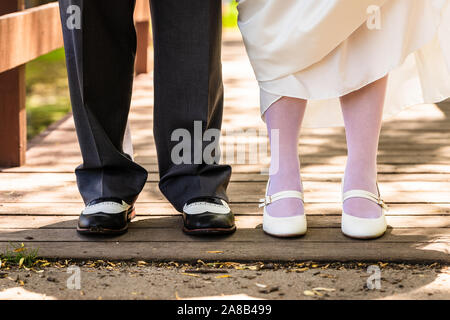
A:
[39, 202]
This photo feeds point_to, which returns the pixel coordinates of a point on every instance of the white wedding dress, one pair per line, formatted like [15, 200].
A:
[320, 50]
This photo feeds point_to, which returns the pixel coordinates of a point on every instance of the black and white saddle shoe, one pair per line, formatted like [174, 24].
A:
[106, 216]
[203, 216]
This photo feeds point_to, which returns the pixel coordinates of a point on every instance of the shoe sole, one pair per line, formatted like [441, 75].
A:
[287, 236]
[209, 231]
[105, 231]
[364, 238]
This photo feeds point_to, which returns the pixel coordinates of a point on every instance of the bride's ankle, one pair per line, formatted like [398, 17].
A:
[360, 178]
[365, 179]
[283, 181]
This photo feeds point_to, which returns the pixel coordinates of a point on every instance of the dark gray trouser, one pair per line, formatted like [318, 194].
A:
[188, 87]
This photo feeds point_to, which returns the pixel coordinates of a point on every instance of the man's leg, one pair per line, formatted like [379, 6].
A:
[100, 43]
[188, 88]
[100, 49]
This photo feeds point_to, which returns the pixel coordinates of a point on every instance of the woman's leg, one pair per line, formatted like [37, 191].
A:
[363, 111]
[285, 117]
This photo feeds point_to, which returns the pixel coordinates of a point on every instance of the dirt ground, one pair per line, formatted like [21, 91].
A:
[223, 280]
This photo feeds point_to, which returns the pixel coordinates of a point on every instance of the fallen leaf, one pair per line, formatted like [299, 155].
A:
[201, 262]
[21, 261]
[214, 251]
[260, 285]
[19, 249]
[317, 293]
[190, 274]
[309, 293]
[324, 289]
[223, 276]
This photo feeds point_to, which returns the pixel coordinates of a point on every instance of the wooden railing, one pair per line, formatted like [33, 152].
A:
[24, 36]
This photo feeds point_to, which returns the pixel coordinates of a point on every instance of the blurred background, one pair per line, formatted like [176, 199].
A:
[46, 79]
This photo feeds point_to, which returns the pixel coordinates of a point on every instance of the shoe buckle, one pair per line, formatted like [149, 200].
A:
[264, 202]
[382, 204]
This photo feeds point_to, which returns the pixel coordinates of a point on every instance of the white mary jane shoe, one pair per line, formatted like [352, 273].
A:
[363, 228]
[283, 227]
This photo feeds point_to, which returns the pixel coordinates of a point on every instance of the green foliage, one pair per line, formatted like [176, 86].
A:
[47, 91]
[18, 254]
[230, 14]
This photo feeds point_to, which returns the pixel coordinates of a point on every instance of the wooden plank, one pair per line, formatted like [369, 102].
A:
[410, 235]
[307, 160]
[434, 143]
[142, 22]
[57, 165]
[242, 222]
[244, 192]
[29, 34]
[14, 179]
[57, 160]
[74, 158]
[13, 126]
[360, 251]
[147, 156]
[144, 142]
[142, 57]
[142, 11]
[166, 209]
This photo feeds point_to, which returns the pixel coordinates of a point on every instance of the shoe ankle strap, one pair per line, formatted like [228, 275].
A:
[280, 195]
[366, 195]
